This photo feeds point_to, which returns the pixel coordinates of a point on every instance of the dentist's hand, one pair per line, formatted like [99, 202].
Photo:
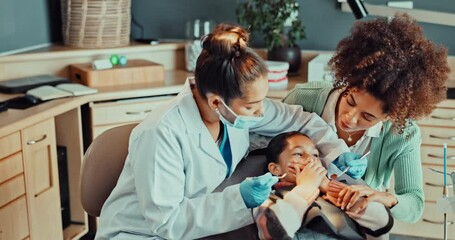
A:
[357, 166]
[257, 189]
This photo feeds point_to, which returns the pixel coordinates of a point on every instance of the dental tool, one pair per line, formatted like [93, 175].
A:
[282, 176]
[335, 176]
[444, 190]
[365, 155]
[343, 172]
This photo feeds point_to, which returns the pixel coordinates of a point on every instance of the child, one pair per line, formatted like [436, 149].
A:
[286, 211]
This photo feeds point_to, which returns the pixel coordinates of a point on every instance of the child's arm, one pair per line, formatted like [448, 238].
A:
[373, 217]
[324, 187]
[282, 218]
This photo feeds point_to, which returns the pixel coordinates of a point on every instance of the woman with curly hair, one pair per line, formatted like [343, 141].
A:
[387, 75]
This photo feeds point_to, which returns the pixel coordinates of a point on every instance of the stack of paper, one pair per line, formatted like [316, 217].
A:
[62, 90]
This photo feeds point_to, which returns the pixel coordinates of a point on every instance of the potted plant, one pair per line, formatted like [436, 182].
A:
[278, 22]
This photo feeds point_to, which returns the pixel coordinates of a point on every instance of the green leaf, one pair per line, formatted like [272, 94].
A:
[267, 17]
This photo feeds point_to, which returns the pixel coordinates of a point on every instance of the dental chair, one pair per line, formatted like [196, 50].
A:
[103, 163]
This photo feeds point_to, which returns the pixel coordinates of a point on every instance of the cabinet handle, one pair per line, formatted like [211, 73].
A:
[437, 222]
[37, 141]
[139, 112]
[441, 157]
[437, 185]
[43, 191]
[443, 118]
[444, 138]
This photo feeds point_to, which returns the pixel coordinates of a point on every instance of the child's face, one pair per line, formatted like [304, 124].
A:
[299, 149]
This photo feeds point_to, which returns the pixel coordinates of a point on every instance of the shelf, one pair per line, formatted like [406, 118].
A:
[62, 52]
[68, 130]
[418, 14]
[74, 231]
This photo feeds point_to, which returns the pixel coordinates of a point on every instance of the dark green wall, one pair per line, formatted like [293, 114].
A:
[25, 23]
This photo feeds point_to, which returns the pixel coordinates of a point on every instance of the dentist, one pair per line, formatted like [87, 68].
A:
[180, 153]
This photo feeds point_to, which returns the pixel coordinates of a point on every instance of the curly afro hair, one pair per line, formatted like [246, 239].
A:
[393, 61]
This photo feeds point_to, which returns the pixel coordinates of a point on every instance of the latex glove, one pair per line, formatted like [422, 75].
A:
[256, 190]
[356, 166]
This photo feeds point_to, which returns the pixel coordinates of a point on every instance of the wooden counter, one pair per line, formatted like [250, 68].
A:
[14, 119]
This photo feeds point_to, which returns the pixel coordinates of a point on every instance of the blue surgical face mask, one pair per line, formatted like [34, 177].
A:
[242, 122]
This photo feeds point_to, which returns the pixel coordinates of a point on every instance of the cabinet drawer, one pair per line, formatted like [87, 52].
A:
[39, 145]
[12, 189]
[11, 166]
[434, 177]
[430, 226]
[100, 129]
[435, 155]
[125, 111]
[39, 152]
[432, 219]
[433, 193]
[440, 117]
[438, 136]
[42, 183]
[14, 220]
[10, 144]
[433, 183]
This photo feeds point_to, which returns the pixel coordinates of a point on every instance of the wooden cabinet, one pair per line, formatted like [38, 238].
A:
[14, 220]
[106, 115]
[14, 223]
[42, 183]
[29, 180]
[437, 129]
[29, 186]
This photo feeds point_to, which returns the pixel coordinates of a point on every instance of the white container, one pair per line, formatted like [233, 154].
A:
[277, 70]
[192, 51]
[279, 85]
[195, 30]
[277, 74]
[318, 69]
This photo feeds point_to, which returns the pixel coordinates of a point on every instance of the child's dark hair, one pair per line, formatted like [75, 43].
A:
[277, 145]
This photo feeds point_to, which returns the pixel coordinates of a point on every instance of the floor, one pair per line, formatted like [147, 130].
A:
[392, 237]
[401, 237]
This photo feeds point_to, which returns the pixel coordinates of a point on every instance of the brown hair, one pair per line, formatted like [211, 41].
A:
[393, 61]
[226, 63]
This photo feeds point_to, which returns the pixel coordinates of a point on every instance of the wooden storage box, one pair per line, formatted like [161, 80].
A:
[136, 71]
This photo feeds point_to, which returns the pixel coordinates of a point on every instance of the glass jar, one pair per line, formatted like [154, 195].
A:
[195, 30]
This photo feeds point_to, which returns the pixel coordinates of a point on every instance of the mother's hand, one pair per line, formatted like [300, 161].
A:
[351, 194]
[355, 211]
[359, 207]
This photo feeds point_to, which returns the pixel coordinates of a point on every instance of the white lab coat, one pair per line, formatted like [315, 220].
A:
[173, 165]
